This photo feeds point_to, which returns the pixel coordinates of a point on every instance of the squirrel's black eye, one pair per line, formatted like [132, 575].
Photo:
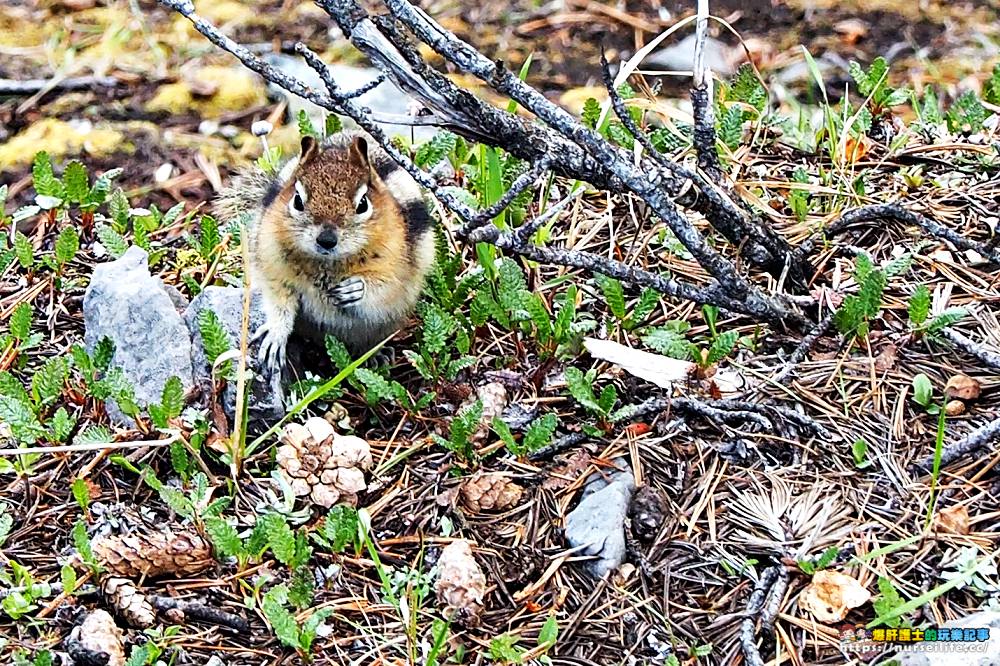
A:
[362, 207]
[297, 203]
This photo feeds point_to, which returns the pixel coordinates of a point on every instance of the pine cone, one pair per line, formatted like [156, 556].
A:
[154, 553]
[490, 492]
[129, 601]
[494, 399]
[319, 463]
[461, 585]
[97, 640]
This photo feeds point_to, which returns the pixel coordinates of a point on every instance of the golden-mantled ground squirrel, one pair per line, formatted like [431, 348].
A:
[340, 242]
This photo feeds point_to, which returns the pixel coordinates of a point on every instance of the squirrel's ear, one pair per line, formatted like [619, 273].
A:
[309, 148]
[359, 152]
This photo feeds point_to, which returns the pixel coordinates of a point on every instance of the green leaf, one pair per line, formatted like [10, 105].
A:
[210, 238]
[20, 321]
[923, 390]
[722, 346]
[61, 425]
[337, 352]
[99, 192]
[224, 537]
[45, 181]
[591, 112]
[669, 340]
[888, 601]
[281, 620]
[82, 542]
[333, 124]
[24, 250]
[280, 537]
[118, 207]
[378, 387]
[503, 431]
[303, 587]
[966, 115]
[340, 527]
[947, 318]
[47, 382]
[139, 656]
[730, 130]
[306, 127]
[113, 241]
[860, 452]
[539, 433]
[431, 152]
[613, 294]
[214, 337]
[172, 398]
[6, 523]
[67, 577]
[104, 351]
[76, 182]
[581, 388]
[550, 631]
[94, 434]
[746, 87]
[920, 306]
[81, 492]
[67, 245]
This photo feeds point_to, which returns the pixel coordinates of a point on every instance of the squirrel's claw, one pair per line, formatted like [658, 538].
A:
[348, 292]
[271, 354]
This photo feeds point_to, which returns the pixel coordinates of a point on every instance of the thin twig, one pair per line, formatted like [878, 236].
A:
[200, 612]
[748, 637]
[972, 348]
[973, 443]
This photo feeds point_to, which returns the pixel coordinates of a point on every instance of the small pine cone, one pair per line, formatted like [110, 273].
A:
[461, 585]
[123, 595]
[97, 640]
[494, 399]
[490, 492]
[318, 463]
[154, 553]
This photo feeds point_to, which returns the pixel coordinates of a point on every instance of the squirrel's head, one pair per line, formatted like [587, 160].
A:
[333, 198]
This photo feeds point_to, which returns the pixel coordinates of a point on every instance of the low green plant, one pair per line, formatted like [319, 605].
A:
[873, 83]
[853, 317]
[923, 393]
[918, 312]
[614, 297]
[463, 426]
[581, 387]
[859, 451]
[286, 627]
[824, 560]
[537, 435]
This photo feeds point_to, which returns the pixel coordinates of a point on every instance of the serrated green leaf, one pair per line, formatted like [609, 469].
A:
[82, 542]
[67, 577]
[24, 250]
[280, 537]
[67, 245]
[668, 340]
[888, 601]
[333, 124]
[431, 152]
[378, 387]
[114, 242]
[99, 192]
[591, 112]
[45, 182]
[949, 317]
[224, 537]
[172, 398]
[539, 432]
[118, 208]
[61, 425]
[340, 527]
[47, 382]
[306, 127]
[920, 306]
[302, 588]
[20, 321]
[745, 87]
[581, 388]
[730, 126]
[281, 620]
[94, 434]
[76, 182]
[214, 338]
[210, 238]
[722, 346]
[614, 295]
[12, 388]
[104, 351]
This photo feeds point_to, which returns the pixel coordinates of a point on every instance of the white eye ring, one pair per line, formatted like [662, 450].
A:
[363, 206]
[297, 204]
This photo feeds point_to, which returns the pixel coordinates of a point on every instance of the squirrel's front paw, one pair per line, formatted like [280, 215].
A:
[348, 292]
[271, 354]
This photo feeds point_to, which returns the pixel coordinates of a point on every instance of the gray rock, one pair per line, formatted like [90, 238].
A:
[385, 98]
[987, 654]
[227, 304]
[130, 306]
[679, 57]
[598, 521]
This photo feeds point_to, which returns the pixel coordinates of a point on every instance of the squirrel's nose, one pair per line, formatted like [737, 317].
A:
[327, 239]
